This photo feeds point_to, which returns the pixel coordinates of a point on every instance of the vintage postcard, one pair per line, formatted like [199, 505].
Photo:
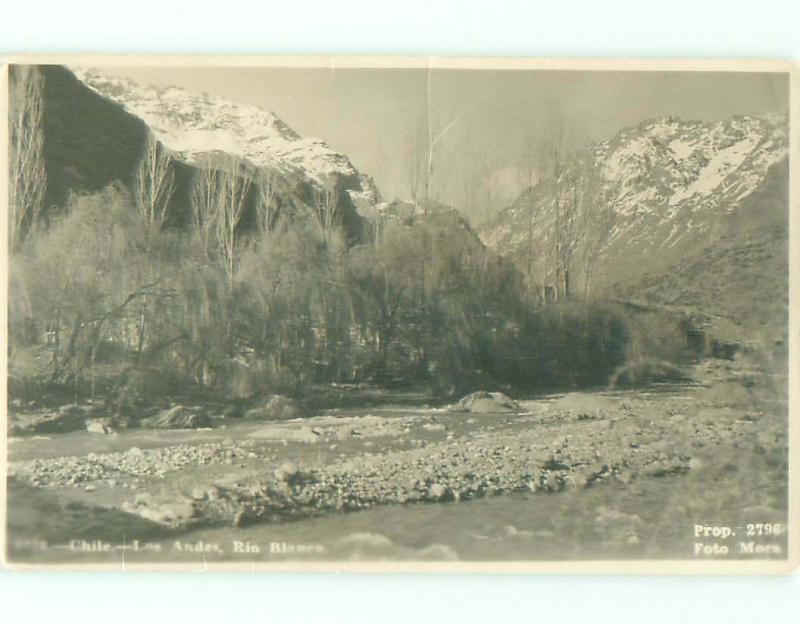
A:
[399, 314]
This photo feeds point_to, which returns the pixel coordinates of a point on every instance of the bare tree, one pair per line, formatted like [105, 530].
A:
[422, 160]
[154, 183]
[219, 198]
[528, 178]
[597, 219]
[204, 201]
[428, 171]
[231, 203]
[266, 208]
[326, 204]
[415, 168]
[581, 213]
[561, 236]
[377, 215]
[27, 173]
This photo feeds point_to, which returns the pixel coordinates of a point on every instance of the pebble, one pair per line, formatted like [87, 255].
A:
[438, 491]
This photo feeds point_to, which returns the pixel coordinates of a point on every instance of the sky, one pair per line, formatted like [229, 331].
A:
[485, 120]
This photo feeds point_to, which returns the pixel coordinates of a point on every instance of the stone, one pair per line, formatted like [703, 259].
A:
[276, 407]
[56, 422]
[99, 426]
[177, 417]
[487, 403]
[438, 491]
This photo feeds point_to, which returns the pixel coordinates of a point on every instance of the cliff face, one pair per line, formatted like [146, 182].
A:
[88, 141]
[96, 127]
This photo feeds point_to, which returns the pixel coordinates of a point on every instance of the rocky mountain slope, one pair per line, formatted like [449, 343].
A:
[96, 126]
[739, 276]
[670, 183]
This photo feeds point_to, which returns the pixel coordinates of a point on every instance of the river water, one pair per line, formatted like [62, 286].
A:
[654, 518]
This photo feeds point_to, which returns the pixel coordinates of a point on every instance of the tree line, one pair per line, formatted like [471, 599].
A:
[107, 299]
[112, 298]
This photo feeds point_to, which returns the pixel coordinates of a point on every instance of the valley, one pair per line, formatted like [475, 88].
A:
[226, 345]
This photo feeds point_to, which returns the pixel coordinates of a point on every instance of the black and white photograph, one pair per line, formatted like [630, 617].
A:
[398, 313]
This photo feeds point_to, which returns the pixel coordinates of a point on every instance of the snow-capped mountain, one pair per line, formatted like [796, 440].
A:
[668, 183]
[193, 126]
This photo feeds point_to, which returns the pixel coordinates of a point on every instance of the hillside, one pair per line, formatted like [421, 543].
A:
[739, 278]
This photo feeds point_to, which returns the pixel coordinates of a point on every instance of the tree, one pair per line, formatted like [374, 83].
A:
[528, 178]
[564, 218]
[581, 213]
[326, 205]
[581, 216]
[219, 198]
[422, 159]
[154, 183]
[231, 203]
[597, 219]
[415, 168]
[266, 208]
[27, 175]
[204, 200]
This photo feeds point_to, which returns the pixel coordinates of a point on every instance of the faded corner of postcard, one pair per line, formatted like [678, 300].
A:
[490, 316]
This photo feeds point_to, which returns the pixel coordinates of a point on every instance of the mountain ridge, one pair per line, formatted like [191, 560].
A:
[192, 125]
[667, 183]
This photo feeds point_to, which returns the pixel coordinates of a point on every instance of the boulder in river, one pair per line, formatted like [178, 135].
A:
[172, 515]
[275, 407]
[176, 417]
[51, 422]
[99, 425]
[487, 403]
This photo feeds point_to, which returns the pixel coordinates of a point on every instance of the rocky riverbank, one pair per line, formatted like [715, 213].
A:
[340, 462]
